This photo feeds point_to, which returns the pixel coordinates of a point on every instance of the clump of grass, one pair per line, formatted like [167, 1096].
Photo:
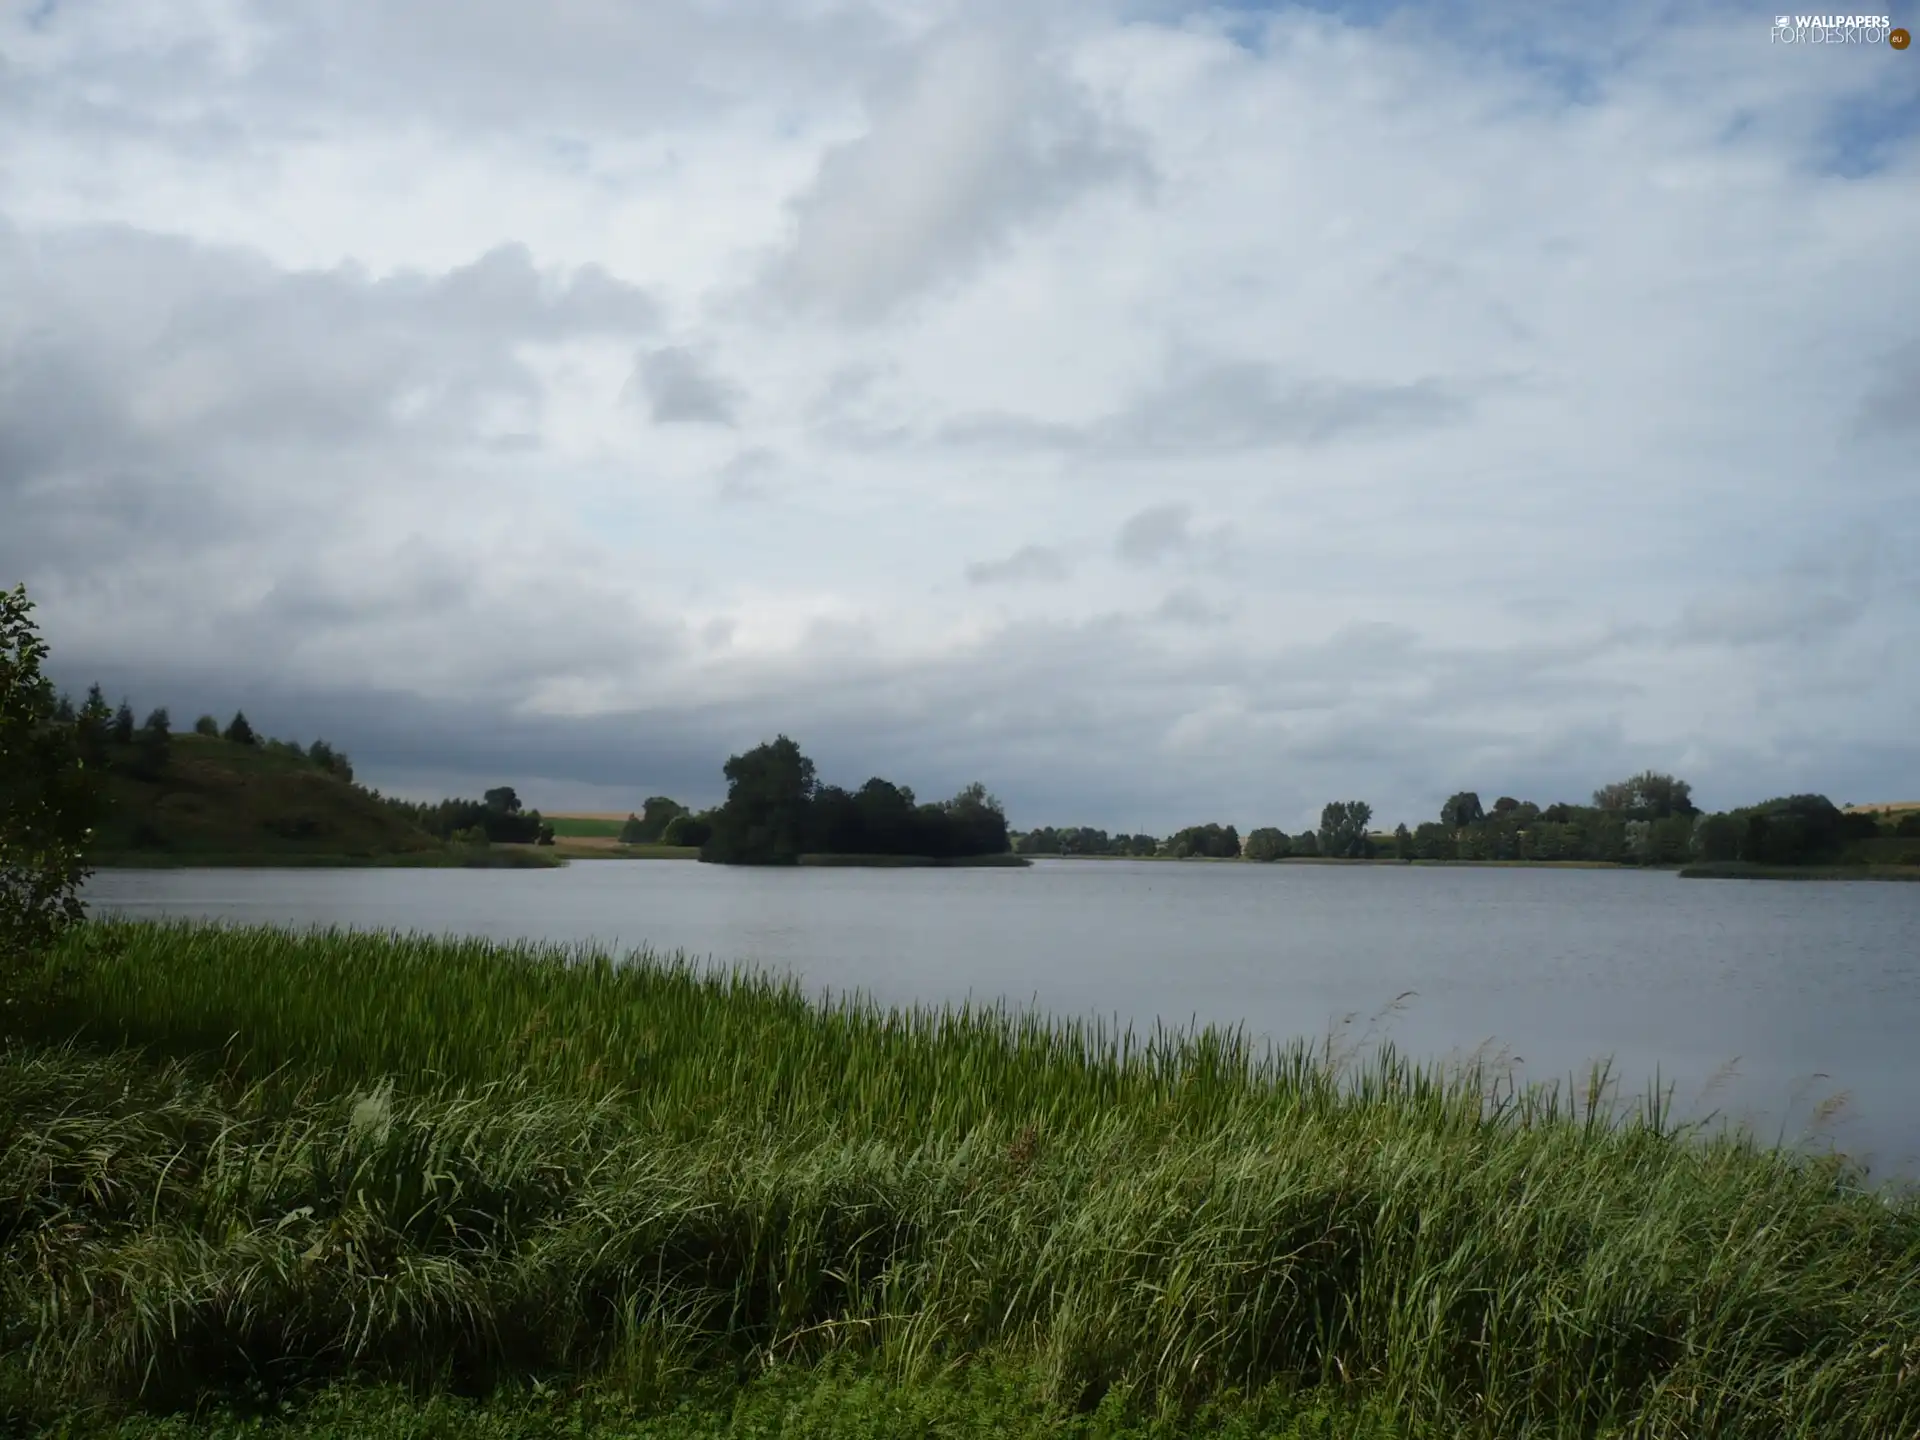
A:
[455, 1161]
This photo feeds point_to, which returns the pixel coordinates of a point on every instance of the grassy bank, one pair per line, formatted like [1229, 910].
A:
[219, 803]
[466, 1166]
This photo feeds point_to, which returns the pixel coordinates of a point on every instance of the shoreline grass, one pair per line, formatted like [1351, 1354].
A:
[238, 1162]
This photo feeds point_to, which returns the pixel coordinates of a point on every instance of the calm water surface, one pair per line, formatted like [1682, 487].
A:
[1805, 990]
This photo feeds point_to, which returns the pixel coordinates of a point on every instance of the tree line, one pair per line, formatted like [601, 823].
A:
[108, 738]
[1647, 819]
[496, 818]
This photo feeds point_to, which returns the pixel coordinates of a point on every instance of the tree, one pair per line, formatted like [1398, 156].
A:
[1268, 844]
[633, 832]
[1435, 840]
[1462, 810]
[239, 731]
[1647, 796]
[93, 726]
[46, 802]
[1211, 841]
[154, 744]
[1306, 843]
[208, 726]
[333, 761]
[503, 799]
[764, 817]
[123, 726]
[655, 815]
[685, 829]
[1343, 829]
[63, 710]
[1402, 842]
[1505, 804]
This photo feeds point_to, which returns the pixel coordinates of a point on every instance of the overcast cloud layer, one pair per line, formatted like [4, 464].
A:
[1163, 416]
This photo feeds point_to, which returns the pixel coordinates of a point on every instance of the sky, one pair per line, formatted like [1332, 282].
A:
[1162, 415]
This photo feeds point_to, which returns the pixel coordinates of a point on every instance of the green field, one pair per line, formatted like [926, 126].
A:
[583, 826]
[256, 1173]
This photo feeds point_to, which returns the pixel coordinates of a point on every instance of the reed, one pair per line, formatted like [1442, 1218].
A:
[269, 1158]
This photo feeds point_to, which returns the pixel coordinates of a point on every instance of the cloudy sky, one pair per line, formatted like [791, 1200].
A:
[1161, 414]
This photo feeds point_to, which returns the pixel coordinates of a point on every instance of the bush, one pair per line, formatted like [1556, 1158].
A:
[1268, 843]
[46, 804]
[208, 726]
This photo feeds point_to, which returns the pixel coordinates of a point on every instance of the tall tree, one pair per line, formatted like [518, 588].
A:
[94, 726]
[1343, 829]
[239, 731]
[502, 798]
[1649, 795]
[46, 803]
[764, 817]
[1462, 810]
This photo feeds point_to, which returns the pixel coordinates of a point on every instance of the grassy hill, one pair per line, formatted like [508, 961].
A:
[219, 800]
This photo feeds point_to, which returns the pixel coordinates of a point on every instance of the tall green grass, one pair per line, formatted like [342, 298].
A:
[456, 1160]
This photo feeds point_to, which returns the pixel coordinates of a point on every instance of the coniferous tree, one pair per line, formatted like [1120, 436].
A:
[239, 731]
[154, 745]
[123, 726]
[92, 727]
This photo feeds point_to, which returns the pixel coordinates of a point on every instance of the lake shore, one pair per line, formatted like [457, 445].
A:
[1742, 870]
[493, 857]
[640, 1178]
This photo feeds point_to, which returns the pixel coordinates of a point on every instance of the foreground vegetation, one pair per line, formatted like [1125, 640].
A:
[240, 1164]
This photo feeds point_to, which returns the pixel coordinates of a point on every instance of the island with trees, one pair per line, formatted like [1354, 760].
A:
[778, 813]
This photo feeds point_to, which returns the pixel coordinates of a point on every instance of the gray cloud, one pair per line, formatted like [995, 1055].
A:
[679, 387]
[1028, 563]
[1768, 614]
[1166, 532]
[1221, 407]
[978, 138]
[747, 476]
[1187, 606]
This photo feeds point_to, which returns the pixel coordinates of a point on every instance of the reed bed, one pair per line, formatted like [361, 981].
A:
[265, 1159]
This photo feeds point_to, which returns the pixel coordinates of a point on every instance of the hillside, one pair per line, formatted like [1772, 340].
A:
[217, 798]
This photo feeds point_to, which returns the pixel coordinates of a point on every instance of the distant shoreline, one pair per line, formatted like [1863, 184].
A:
[493, 857]
[1742, 870]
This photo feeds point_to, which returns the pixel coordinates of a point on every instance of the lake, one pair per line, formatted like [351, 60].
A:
[1755, 999]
